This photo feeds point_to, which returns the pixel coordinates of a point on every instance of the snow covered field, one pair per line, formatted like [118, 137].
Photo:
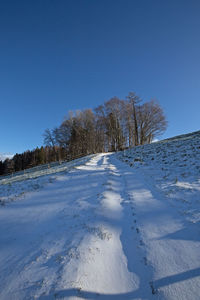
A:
[112, 226]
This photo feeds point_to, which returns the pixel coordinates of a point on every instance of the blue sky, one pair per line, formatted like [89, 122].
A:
[57, 56]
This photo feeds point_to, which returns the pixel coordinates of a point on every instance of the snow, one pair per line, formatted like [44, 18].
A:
[109, 226]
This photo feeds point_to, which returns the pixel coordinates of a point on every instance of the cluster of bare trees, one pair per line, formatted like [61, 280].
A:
[113, 126]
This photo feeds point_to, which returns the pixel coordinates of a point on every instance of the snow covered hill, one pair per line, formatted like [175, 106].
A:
[173, 167]
[108, 226]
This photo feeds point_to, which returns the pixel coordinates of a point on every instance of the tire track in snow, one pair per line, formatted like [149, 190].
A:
[83, 245]
[112, 262]
[131, 235]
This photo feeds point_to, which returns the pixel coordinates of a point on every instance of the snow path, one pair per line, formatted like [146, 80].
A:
[97, 232]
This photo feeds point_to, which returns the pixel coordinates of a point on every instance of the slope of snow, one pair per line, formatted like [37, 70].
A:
[17, 185]
[171, 172]
[173, 167]
[42, 170]
[106, 229]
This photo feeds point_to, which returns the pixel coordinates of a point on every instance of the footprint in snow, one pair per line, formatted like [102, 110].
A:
[145, 261]
[153, 290]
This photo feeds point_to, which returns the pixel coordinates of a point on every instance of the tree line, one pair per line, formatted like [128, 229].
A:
[113, 126]
[30, 159]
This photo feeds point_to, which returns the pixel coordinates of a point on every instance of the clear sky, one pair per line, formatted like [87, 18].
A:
[57, 56]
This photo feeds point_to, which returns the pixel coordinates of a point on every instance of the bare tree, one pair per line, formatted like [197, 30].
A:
[101, 143]
[88, 124]
[134, 100]
[48, 138]
[114, 123]
[151, 120]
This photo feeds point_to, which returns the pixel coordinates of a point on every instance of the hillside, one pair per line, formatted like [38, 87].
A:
[173, 167]
[110, 226]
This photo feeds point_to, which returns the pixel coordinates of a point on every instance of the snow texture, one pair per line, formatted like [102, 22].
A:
[109, 226]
